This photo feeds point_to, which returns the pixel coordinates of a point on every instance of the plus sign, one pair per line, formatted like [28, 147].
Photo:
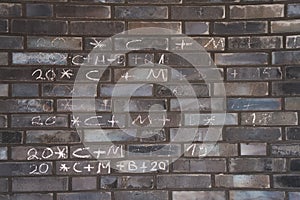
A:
[99, 152]
[136, 58]
[143, 167]
[113, 122]
[234, 73]
[183, 44]
[120, 166]
[164, 120]
[89, 168]
[127, 76]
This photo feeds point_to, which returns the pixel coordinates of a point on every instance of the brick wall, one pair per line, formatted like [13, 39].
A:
[50, 152]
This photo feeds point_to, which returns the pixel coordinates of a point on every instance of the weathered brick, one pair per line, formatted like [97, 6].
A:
[286, 181]
[244, 195]
[136, 151]
[293, 41]
[240, 28]
[94, 135]
[241, 58]
[100, 28]
[257, 165]
[10, 10]
[26, 105]
[122, 90]
[69, 90]
[253, 104]
[252, 73]
[81, 11]
[285, 57]
[31, 196]
[137, 195]
[25, 168]
[242, 181]
[193, 195]
[84, 183]
[3, 90]
[242, 89]
[11, 42]
[202, 104]
[80, 105]
[255, 42]
[196, 12]
[292, 103]
[201, 150]
[257, 11]
[287, 26]
[236, 134]
[210, 119]
[141, 12]
[11, 137]
[294, 165]
[140, 105]
[3, 121]
[3, 185]
[201, 165]
[39, 10]
[293, 10]
[52, 137]
[252, 149]
[292, 72]
[294, 195]
[38, 121]
[285, 88]
[154, 1]
[40, 184]
[196, 28]
[293, 133]
[54, 43]
[196, 134]
[182, 90]
[285, 150]
[176, 27]
[3, 26]
[127, 182]
[22, 90]
[44, 27]
[39, 58]
[269, 118]
[183, 181]
[81, 195]
[3, 56]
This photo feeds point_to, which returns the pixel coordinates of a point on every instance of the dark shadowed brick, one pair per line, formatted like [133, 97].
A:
[101, 28]
[141, 12]
[39, 10]
[78, 11]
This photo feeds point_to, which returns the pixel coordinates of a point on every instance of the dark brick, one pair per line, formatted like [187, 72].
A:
[293, 133]
[196, 28]
[293, 10]
[237, 134]
[11, 137]
[293, 41]
[174, 26]
[138, 195]
[22, 90]
[295, 165]
[40, 184]
[285, 150]
[45, 27]
[31, 197]
[203, 165]
[11, 42]
[127, 182]
[80, 11]
[286, 57]
[182, 90]
[136, 43]
[179, 195]
[183, 181]
[155, 1]
[242, 89]
[262, 42]
[3, 26]
[252, 73]
[286, 181]
[286, 88]
[202, 104]
[84, 195]
[10, 10]
[52, 137]
[196, 12]
[3, 56]
[3, 90]
[3, 121]
[292, 73]
[123, 90]
[240, 28]
[257, 11]
[3, 185]
[69, 90]
[39, 10]
[141, 12]
[26, 105]
[99, 28]
[57, 43]
[25, 168]
[84, 183]
[242, 165]
[140, 105]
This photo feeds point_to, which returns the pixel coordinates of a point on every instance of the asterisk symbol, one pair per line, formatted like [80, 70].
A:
[68, 73]
[64, 168]
[75, 121]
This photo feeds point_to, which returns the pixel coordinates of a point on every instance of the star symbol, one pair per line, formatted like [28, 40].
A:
[64, 168]
[66, 73]
[75, 121]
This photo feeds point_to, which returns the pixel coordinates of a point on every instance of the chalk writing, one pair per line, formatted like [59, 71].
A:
[98, 152]
[58, 152]
[140, 166]
[37, 121]
[39, 169]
